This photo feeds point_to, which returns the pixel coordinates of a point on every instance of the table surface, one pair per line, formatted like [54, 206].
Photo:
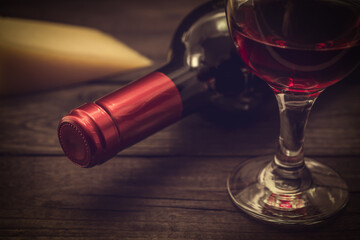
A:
[171, 185]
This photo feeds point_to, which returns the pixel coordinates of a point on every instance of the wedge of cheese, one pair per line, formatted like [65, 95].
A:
[36, 55]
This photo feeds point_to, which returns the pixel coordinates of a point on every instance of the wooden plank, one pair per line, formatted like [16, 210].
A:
[175, 198]
[28, 126]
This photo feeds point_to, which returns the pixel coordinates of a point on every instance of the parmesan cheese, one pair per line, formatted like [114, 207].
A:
[37, 55]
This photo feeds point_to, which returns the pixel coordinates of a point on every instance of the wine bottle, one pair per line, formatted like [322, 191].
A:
[202, 65]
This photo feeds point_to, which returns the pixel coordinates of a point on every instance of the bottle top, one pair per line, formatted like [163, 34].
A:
[88, 135]
[95, 132]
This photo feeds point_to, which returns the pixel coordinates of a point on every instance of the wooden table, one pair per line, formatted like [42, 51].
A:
[171, 185]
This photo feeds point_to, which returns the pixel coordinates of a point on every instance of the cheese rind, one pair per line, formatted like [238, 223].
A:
[37, 55]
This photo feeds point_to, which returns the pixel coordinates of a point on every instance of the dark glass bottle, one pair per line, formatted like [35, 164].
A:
[203, 67]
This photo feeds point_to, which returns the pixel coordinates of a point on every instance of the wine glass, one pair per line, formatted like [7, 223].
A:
[299, 48]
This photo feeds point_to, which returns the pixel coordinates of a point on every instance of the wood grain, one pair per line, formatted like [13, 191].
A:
[170, 197]
[28, 126]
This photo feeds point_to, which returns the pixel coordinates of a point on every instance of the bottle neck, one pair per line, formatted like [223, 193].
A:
[194, 91]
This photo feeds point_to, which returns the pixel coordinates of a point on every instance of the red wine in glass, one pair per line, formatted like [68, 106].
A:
[317, 49]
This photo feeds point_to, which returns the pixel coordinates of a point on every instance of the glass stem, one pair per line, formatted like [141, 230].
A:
[294, 112]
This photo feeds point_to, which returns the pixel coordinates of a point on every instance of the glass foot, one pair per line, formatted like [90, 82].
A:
[315, 195]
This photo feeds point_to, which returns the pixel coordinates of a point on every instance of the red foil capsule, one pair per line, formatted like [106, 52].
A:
[95, 132]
